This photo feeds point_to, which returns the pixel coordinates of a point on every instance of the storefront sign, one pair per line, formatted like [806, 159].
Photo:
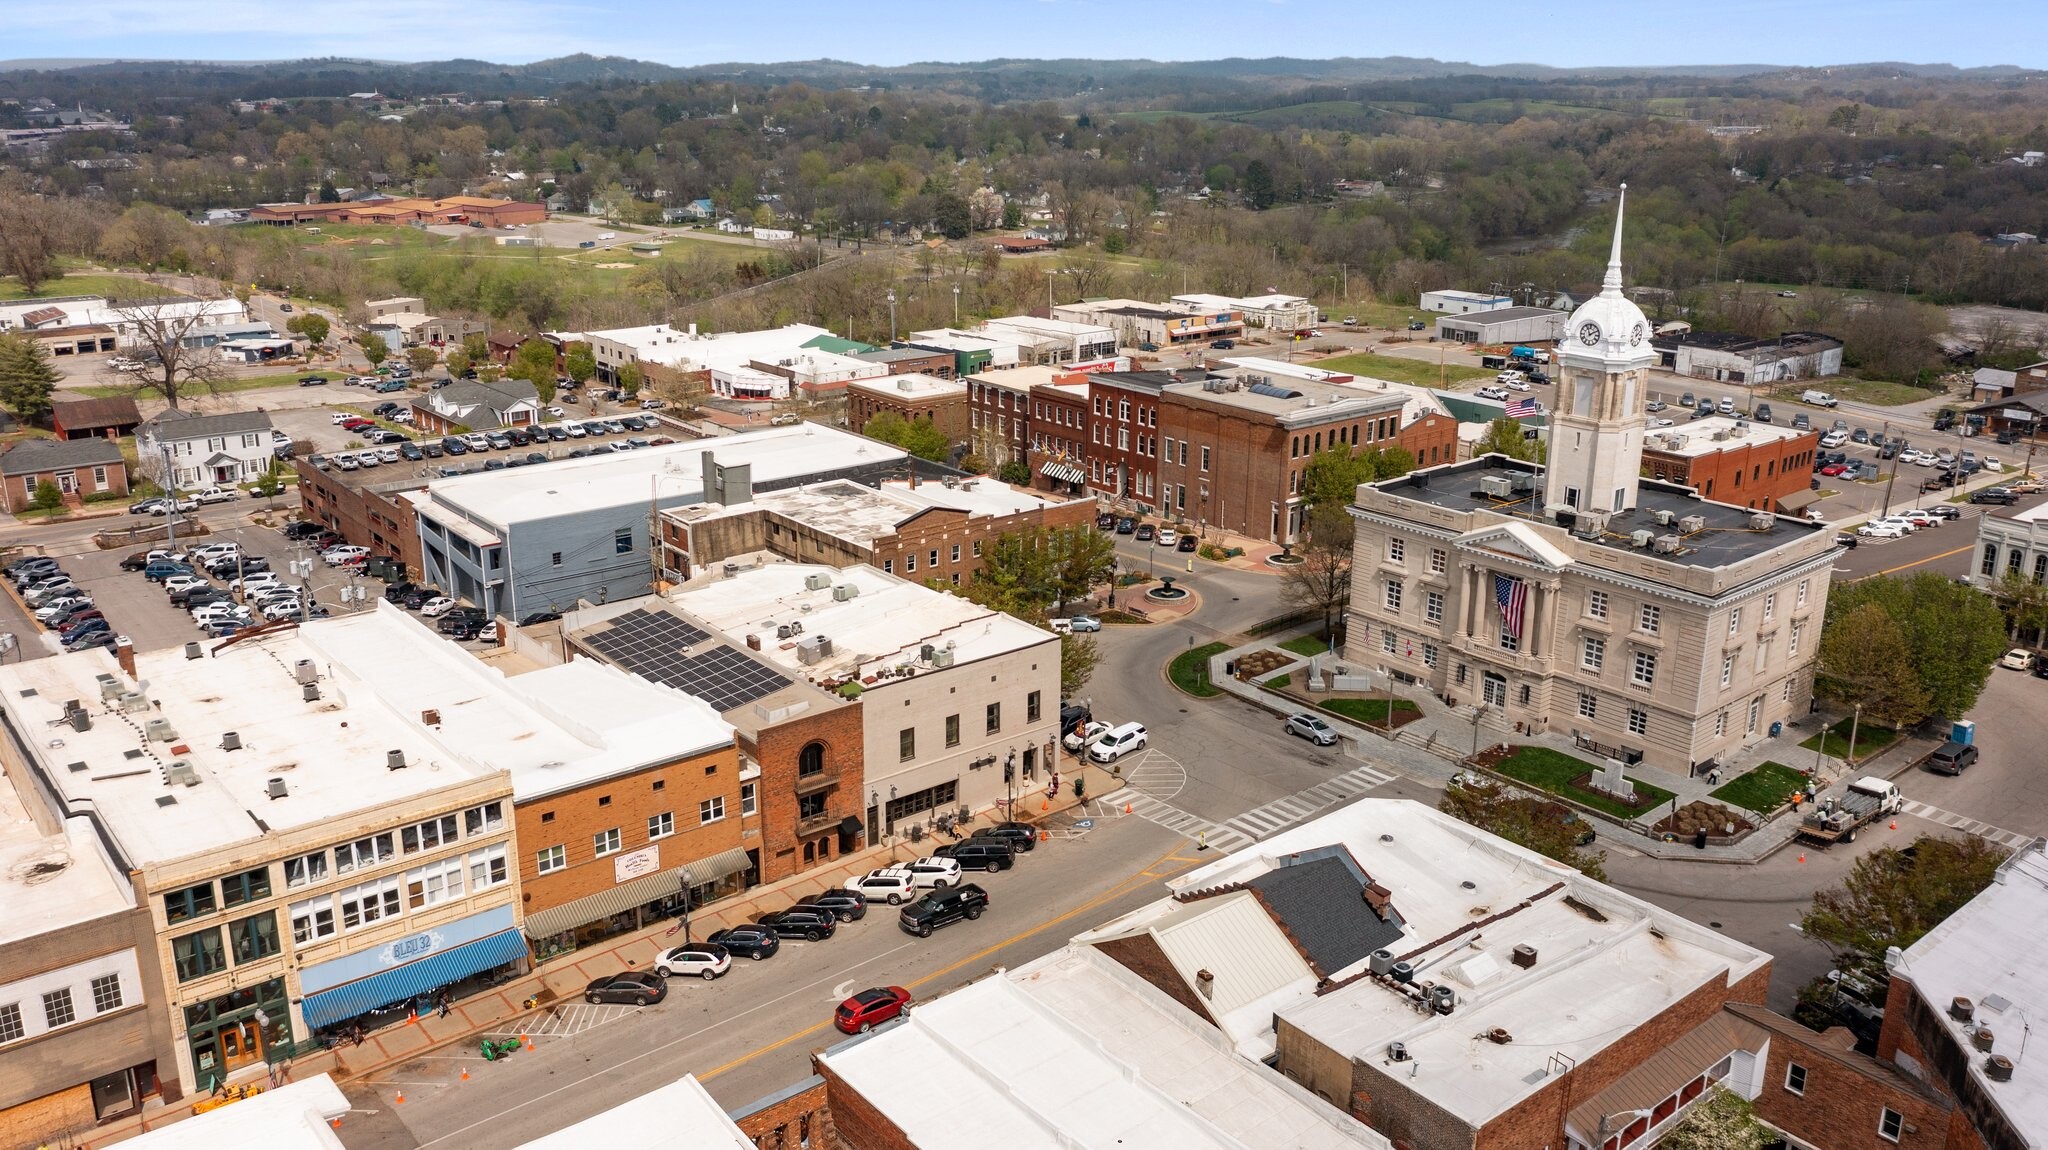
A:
[636, 864]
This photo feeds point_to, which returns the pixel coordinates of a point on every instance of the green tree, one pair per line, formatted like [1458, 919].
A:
[2025, 602]
[477, 346]
[630, 379]
[950, 212]
[1504, 437]
[1113, 241]
[1078, 659]
[1013, 214]
[1016, 473]
[578, 363]
[1321, 582]
[1259, 191]
[535, 363]
[26, 377]
[270, 484]
[312, 325]
[1550, 829]
[1892, 897]
[1331, 476]
[328, 194]
[422, 358]
[458, 363]
[1722, 1120]
[917, 436]
[1864, 659]
[46, 497]
[1029, 573]
[1955, 632]
[374, 348]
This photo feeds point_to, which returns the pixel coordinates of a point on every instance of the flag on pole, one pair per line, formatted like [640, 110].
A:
[1512, 594]
[1522, 408]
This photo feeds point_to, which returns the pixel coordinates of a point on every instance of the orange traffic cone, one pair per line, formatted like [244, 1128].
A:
[529, 1043]
[1045, 804]
[412, 1018]
[465, 1074]
[401, 1098]
[1127, 808]
[1802, 856]
[334, 1122]
[1895, 824]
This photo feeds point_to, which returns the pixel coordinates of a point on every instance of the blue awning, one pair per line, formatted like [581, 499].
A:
[353, 998]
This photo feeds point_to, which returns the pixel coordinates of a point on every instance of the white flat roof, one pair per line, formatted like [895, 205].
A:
[1070, 1050]
[294, 1116]
[955, 340]
[1023, 378]
[569, 486]
[860, 514]
[1985, 952]
[666, 344]
[922, 386]
[1053, 327]
[885, 625]
[681, 1114]
[1416, 399]
[1698, 436]
[1598, 976]
[1210, 302]
[75, 881]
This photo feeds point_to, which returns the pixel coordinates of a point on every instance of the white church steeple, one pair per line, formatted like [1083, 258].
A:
[1596, 433]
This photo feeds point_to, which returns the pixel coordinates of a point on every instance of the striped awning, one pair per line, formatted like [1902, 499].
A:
[364, 994]
[1064, 472]
[638, 892]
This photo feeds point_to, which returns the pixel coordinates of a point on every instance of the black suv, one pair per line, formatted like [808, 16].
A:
[985, 854]
[942, 908]
[756, 942]
[1019, 835]
[800, 921]
[849, 905]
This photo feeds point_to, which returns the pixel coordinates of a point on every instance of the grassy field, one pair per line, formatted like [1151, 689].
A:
[1554, 771]
[1878, 392]
[1869, 740]
[1190, 669]
[1763, 789]
[1370, 712]
[246, 383]
[84, 283]
[1306, 645]
[1399, 370]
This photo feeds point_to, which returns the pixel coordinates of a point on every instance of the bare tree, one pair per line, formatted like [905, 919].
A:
[163, 333]
[1321, 582]
[28, 241]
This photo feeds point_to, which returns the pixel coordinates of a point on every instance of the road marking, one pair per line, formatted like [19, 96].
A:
[1290, 809]
[1915, 563]
[1983, 830]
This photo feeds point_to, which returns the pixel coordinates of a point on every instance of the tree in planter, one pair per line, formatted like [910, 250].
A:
[374, 348]
[269, 485]
[422, 359]
[26, 377]
[1321, 582]
[1864, 659]
[1892, 897]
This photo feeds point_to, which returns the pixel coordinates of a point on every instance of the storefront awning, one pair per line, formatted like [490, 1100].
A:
[1064, 472]
[637, 892]
[353, 998]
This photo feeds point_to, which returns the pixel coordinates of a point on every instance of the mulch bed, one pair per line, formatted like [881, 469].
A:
[1259, 664]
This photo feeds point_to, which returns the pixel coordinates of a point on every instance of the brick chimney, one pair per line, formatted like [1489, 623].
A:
[124, 654]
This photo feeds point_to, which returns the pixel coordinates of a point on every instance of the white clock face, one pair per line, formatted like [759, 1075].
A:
[1635, 334]
[1589, 333]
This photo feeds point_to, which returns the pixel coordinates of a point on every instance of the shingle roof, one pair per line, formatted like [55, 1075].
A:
[33, 455]
[175, 423]
[75, 414]
[1320, 902]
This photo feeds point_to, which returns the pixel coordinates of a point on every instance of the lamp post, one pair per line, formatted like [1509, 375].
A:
[1855, 719]
[1478, 713]
[956, 305]
[1010, 785]
[892, 315]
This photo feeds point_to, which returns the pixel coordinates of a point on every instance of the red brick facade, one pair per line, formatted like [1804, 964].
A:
[947, 409]
[1059, 435]
[803, 1118]
[1124, 436]
[1817, 1088]
[945, 546]
[1754, 475]
[378, 517]
[816, 755]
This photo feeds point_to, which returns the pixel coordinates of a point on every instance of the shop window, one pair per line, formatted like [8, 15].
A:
[191, 902]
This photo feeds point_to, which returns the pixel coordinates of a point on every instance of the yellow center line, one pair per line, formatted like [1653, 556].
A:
[1915, 563]
[1122, 888]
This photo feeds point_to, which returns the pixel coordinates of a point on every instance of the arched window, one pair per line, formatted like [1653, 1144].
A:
[810, 760]
[810, 854]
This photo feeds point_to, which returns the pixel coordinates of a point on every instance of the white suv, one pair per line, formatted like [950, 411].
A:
[933, 873]
[892, 885]
[1118, 743]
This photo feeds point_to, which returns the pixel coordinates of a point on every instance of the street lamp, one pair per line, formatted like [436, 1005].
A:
[1478, 713]
[892, 315]
[1010, 784]
[956, 305]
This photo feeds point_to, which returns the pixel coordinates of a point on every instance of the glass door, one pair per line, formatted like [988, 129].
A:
[241, 1044]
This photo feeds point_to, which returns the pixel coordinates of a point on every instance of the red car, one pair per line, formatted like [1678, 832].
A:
[1833, 469]
[870, 1008]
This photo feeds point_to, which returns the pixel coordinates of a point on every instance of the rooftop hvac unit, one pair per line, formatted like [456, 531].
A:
[1380, 961]
[731, 569]
[1692, 524]
[231, 741]
[783, 631]
[968, 484]
[1640, 538]
[306, 671]
[817, 581]
[1761, 521]
[193, 651]
[1666, 518]
[76, 715]
[815, 649]
[275, 789]
[845, 591]
[133, 702]
[1522, 482]
[1402, 972]
[1669, 544]
[1590, 524]
[1442, 999]
[110, 688]
[310, 692]
[179, 773]
[942, 658]
[926, 652]
[159, 731]
[1721, 435]
[1498, 486]
[394, 760]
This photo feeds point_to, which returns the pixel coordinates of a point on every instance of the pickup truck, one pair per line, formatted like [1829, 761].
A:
[215, 495]
[1837, 820]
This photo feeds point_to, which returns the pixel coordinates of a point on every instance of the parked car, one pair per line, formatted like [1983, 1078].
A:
[91, 640]
[1168, 537]
[638, 987]
[870, 1008]
[534, 617]
[1951, 758]
[163, 569]
[311, 380]
[755, 942]
[932, 872]
[2017, 659]
[800, 921]
[849, 905]
[1311, 728]
[1126, 526]
[437, 607]
[1118, 743]
[1020, 836]
[1078, 739]
[1187, 543]
[705, 960]
[943, 908]
[1145, 533]
[980, 854]
[892, 885]
[1880, 531]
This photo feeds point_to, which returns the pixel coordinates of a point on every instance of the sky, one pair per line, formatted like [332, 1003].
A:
[1584, 33]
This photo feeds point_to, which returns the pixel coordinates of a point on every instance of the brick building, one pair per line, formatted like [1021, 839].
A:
[941, 400]
[1236, 447]
[1822, 1091]
[77, 468]
[909, 360]
[1123, 433]
[481, 210]
[367, 507]
[1058, 437]
[1730, 460]
[109, 418]
[999, 410]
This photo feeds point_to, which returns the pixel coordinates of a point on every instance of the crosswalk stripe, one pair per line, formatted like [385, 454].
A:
[1965, 823]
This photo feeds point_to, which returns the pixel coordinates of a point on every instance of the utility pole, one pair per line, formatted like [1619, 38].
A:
[171, 486]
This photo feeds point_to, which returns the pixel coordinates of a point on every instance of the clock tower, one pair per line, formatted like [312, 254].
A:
[1596, 433]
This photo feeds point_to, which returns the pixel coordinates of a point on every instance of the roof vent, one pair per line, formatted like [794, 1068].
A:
[157, 731]
[1498, 1035]
[431, 717]
[394, 760]
[309, 692]
[1983, 1039]
[80, 720]
[1397, 1052]
[194, 651]
[231, 741]
[276, 788]
[1998, 1068]
[306, 671]
[179, 773]
[1523, 955]
[1961, 1009]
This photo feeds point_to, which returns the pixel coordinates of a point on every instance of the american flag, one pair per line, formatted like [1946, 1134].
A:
[1512, 594]
[1521, 408]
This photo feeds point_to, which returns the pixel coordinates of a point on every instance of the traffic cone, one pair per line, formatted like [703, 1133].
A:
[529, 1043]
[334, 1122]
[465, 1074]
[1045, 804]
[1895, 824]
[401, 1098]
[1802, 856]
[1127, 808]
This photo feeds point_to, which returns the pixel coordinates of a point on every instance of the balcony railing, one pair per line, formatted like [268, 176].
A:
[812, 784]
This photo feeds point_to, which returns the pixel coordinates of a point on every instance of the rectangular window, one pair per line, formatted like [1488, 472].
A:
[1787, 693]
[910, 561]
[661, 826]
[888, 566]
[191, 902]
[363, 853]
[1393, 596]
[1638, 721]
[555, 559]
[106, 993]
[906, 744]
[255, 937]
[1509, 642]
[548, 860]
[1645, 673]
[622, 541]
[1205, 457]
[1593, 653]
[1389, 642]
[977, 549]
[1589, 707]
[1989, 567]
[1397, 550]
[934, 564]
[606, 842]
[1720, 724]
[956, 553]
[370, 902]
[57, 1008]
[1429, 655]
[1648, 617]
[1727, 669]
[1734, 621]
[10, 1021]
[427, 835]
[198, 955]
[1596, 604]
[1438, 560]
[995, 718]
[1433, 606]
[952, 730]
[1802, 593]
[1770, 606]
[1890, 1123]
[1033, 708]
[487, 868]
[305, 869]
[711, 810]
[1793, 631]
[434, 883]
[479, 820]
[313, 919]
[747, 799]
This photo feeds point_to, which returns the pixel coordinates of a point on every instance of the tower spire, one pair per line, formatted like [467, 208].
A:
[1611, 286]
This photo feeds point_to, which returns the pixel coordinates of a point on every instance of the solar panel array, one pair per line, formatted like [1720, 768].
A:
[654, 645]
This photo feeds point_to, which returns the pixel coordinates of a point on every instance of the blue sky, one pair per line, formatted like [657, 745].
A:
[1583, 33]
